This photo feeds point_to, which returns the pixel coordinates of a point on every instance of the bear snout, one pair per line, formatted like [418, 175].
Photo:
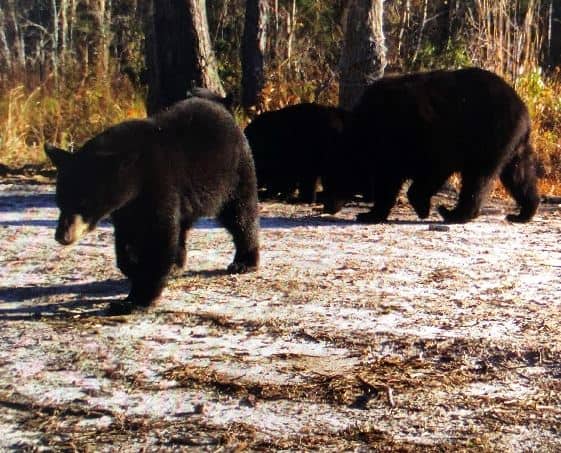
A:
[70, 229]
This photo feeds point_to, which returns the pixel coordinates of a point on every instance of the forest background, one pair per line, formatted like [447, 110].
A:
[70, 68]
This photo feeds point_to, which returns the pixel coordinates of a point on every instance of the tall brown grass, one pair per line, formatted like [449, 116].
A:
[69, 116]
[543, 97]
[65, 116]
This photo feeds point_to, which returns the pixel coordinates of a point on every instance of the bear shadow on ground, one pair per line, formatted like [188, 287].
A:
[42, 223]
[413, 222]
[83, 306]
[206, 273]
[282, 222]
[21, 202]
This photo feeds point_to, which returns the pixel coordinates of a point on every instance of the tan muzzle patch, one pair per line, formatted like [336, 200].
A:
[70, 229]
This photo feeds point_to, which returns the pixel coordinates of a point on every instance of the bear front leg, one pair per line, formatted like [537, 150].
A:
[385, 195]
[422, 190]
[157, 253]
[127, 230]
[127, 256]
[181, 256]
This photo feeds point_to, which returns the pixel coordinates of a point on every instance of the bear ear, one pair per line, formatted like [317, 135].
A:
[58, 156]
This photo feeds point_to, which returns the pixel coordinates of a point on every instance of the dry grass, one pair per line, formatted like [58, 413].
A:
[66, 117]
[382, 337]
[31, 117]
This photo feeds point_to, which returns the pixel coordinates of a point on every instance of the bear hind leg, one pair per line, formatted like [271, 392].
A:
[240, 217]
[125, 250]
[308, 187]
[385, 192]
[473, 192]
[181, 256]
[519, 176]
[421, 191]
[241, 220]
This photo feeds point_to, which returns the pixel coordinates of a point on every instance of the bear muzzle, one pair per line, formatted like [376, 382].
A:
[70, 228]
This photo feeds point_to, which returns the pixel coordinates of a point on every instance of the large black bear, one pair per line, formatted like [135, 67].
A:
[426, 126]
[290, 146]
[156, 177]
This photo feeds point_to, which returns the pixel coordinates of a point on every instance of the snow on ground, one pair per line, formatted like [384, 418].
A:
[400, 336]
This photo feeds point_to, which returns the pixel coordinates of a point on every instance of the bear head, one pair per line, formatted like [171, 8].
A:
[90, 186]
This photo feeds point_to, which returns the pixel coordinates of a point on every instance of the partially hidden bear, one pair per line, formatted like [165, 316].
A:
[155, 177]
[290, 146]
[200, 92]
[424, 127]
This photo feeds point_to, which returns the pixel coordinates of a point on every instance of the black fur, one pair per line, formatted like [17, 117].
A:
[156, 177]
[200, 92]
[426, 126]
[290, 146]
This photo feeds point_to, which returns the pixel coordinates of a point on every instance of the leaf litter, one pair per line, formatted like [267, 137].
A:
[399, 336]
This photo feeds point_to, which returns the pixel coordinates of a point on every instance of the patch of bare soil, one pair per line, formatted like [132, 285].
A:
[403, 336]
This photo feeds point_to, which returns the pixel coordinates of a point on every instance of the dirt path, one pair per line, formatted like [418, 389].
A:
[395, 336]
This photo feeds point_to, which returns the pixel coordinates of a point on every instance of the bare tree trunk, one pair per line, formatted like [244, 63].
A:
[363, 59]
[178, 53]
[444, 24]
[155, 97]
[6, 55]
[72, 26]
[55, 34]
[421, 31]
[404, 23]
[276, 7]
[204, 68]
[63, 32]
[82, 44]
[274, 39]
[254, 44]
[17, 41]
[344, 14]
[100, 37]
[555, 34]
[290, 28]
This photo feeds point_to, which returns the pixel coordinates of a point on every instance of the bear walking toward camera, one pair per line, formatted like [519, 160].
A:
[426, 126]
[156, 177]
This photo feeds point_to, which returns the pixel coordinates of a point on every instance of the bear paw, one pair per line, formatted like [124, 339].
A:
[176, 270]
[370, 217]
[422, 209]
[517, 218]
[120, 307]
[450, 216]
[241, 268]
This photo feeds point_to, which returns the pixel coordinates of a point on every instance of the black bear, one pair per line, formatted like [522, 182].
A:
[200, 92]
[290, 146]
[424, 127]
[155, 177]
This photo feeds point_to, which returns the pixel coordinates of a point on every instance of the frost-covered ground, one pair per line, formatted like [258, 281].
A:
[402, 336]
